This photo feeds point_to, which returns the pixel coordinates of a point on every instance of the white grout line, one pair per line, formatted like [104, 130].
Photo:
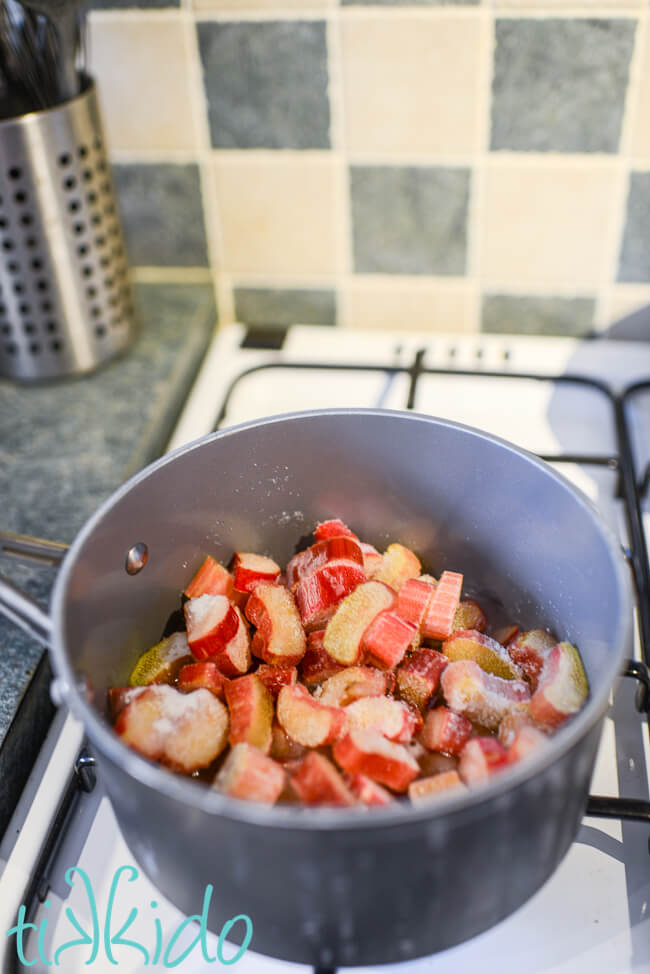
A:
[619, 202]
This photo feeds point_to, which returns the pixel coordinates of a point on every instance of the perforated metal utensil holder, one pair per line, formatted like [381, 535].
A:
[65, 301]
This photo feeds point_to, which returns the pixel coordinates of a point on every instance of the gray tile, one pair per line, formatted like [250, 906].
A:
[162, 214]
[266, 84]
[634, 261]
[559, 84]
[277, 307]
[409, 219]
[531, 315]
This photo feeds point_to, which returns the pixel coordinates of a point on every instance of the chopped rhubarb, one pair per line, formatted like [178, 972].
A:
[316, 665]
[525, 740]
[211, 623]
[397, 566]
[506, 634]
[345, 630]
[562, 687]
[317, 782]
[280, 638]
[418, 678]
[204, 674]
[333, 529]
[435, 762]
[480, 696]
[529, 652]
[371, 559]
[367, 791]
[161, 663]
[442, 607]
[369, 753]
[283, 748]
[306, 720]
[488, 653]
[319, 554]
[276, 677]
[247, 773]
[480, 758]
[387, 640]
[469, 615]
[211, 579]
[445, 731]
[251, 712]
[392, 718]
[184, 731]
[353, 683]
[318, 595]
[118, 697]
[413, 601]
[511, 724]
[427, 789]
[251, 570]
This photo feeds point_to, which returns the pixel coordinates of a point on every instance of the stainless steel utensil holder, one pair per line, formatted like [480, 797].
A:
[65, 300]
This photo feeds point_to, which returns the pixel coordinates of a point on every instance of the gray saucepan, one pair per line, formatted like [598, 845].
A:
[329, 886]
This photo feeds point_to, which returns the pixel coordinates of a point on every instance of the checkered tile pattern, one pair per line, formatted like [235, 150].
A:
[459, 165]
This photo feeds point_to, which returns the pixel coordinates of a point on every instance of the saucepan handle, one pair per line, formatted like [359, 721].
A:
[17, 605]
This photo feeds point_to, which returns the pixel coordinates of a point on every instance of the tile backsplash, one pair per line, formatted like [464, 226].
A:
[455, 166]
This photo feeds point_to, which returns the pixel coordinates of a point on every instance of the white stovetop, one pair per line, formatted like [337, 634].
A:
[593, 916]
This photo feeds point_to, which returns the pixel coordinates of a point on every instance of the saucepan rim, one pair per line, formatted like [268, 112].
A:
[207, 799]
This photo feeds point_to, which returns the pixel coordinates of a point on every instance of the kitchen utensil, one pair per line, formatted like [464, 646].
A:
[332, 886]
[65, 303]
[29, 61]
[65, 17]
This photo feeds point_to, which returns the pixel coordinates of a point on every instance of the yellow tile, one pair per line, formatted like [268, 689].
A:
[411, 84]
[265, 5]
[278, 216]
[640, 135]
[436, 306]
[547, 223]
[141, 65]
[560, 5]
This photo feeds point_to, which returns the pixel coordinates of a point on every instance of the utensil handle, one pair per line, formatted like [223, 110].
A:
[38, 549]
[25, 612]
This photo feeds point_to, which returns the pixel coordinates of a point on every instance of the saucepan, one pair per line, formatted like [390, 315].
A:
[330, 886]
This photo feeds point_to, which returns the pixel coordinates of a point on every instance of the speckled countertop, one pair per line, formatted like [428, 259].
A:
[65, 447]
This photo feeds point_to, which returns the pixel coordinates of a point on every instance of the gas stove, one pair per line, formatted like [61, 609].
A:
[585, 407]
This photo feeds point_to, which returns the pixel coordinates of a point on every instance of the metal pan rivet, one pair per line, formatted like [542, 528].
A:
[136, 558]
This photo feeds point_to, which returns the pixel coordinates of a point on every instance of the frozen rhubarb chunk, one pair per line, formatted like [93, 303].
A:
[306, 720]
[442, 608]
[469, 615]
[346, 629]
[317, 782]
[413, 601]
[318, 595]
[525, 740]
[445, 731]
[333, 529]
[392, 718]
[184, 731]
[480, 758]
[506, 634]
[283, 748]
[371, 559]
[418, 678]
[397, 566]
[204, 674]
[529, 652]
[353, 683]
[562, 687]
[319, 554]
[511, 724]
[428, 789]
[480, 696]
[211, 579]
[488, 653]
[276, 677]
[435, 762]
[161, 663]
[251, 570]
[387, 640]
[118, 697]
[230, 652]
[251, 712]
[280, 638]
[316, 665]
[367, 791]
[369, 753]
[247, 773]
